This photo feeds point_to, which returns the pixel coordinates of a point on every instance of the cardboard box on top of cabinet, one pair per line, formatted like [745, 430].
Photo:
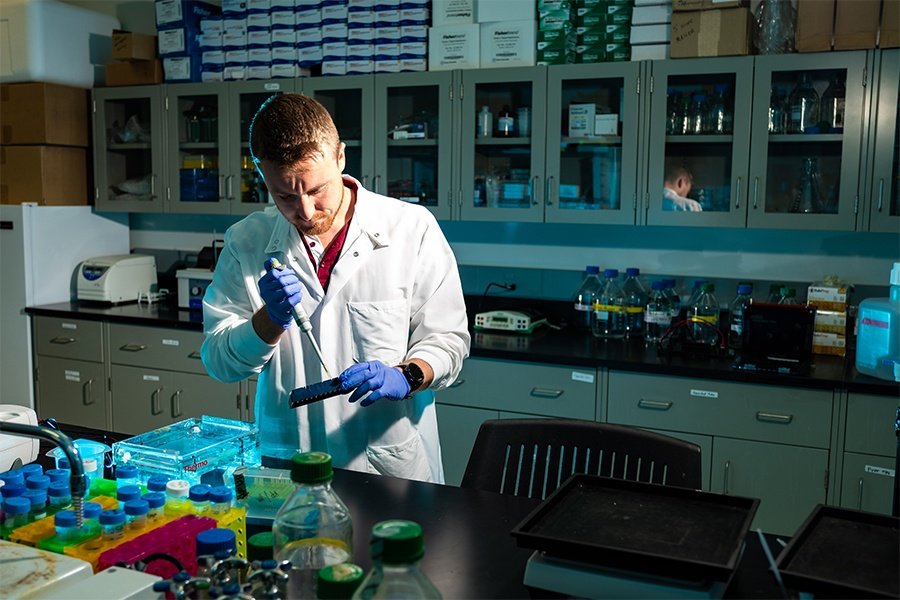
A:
[133, 46]
[684, 5]
[492, 11]
[453, 47]
[856, 24]
[44, 113]
[134, 72]
[452, 12]
[508, 44]
[46, 175]
[815, 25]
[719, 32]
[889, 37]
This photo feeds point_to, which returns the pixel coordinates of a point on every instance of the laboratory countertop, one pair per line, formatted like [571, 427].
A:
[565, 346]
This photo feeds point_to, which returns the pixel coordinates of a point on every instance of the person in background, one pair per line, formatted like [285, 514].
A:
[380, 285]
[676, 186]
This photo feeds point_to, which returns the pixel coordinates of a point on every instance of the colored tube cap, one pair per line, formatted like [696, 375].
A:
[260, 546]
[13, 477]
[126, 472]
[56, 475]
[112, 516]
[155, 499]
[37, 482]
[220, 493]
[65, 518]
[59, 489]
[92, 510]
[199, 493]
[128, 492]
[136, 508]
[338, 581]
[211, 541]
[18, 505]
[157, 483]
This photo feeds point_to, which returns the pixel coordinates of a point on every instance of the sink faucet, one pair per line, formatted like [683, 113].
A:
[78, 481]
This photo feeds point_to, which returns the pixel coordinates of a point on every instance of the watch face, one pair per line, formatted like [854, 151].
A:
[414, 375]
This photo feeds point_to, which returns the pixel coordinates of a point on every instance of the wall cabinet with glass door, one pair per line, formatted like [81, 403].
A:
[591, 136]
[883, 188]
[208, 154]
[699, 135]
[129, 148]
[806, 139]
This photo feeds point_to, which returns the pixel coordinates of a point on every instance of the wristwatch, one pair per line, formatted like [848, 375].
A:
[414, 376]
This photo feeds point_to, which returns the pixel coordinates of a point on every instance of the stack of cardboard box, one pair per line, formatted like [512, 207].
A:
[651, 27]
[823, 25]
[830, 332]
[603, 30]
[710, 28]
[556, 35]
[45, 136]
[178, 29]
[135, 61]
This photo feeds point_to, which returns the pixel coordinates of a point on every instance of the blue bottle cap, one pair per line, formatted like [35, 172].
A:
[136, 508]
[657, 285]
[610, 272]
[744, 289]
[181, 577]
[593, 269]
[57, 474]
[126, 472]
[221, 493]
[31, 469]
[112, 516]
[128, 492]
[155, 499]
[63, 463]
[16, 506]
[37, 482]
[632, 271]
[13, 477]
[59, 489]
[211, 541]
[12, 490]
[199, 492]
[37, 498]
[268, 563]
[65, 518]
[157, 483]
[92, 510]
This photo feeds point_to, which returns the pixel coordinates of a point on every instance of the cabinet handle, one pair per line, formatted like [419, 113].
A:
[229, 187]
[133, 347]
[727, 472]
[375, 183]
[222, 180]
[62, 340]
[194, 354]
[655, 404]
[549, 199]
[859, 495]
[153, 185]
[176, 404]
[155, 407]
[535, 181]
[880, 194]
[366, 181]
[737, 193]
[774, 418]
[456, 383]
[87, 392]
[546, 393]
[755, 192]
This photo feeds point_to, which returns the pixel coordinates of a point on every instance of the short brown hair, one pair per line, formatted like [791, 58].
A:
[289, 128]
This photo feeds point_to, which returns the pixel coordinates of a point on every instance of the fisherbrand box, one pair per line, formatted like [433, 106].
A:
[508, 44]
[453, 47]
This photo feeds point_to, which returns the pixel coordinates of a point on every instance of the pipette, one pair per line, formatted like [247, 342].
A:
[302, 320]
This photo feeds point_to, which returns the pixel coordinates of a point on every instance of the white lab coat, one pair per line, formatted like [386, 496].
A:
[394, 295]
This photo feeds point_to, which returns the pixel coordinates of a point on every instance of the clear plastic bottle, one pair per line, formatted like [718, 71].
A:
[810, 197]
[584, 297]
[736, 315]
[773, 27]
[696, 290]
[777, 112]
[673, 112]
[788, 296]
[506, 123]
[674, 299]
[608, 320]
[313, 528]
[658, 313]
[396, 573]
[339, 582]
[833, 101]
[804, 106]
[720, 118]
[697, 113]
[485, 123]
[635, 296]
[704, 317]
[878, 333]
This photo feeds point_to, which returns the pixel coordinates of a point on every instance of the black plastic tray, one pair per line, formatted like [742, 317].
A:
[659, 530]
[844, 553]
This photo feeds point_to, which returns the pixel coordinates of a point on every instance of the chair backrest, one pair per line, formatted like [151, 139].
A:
[532, 457]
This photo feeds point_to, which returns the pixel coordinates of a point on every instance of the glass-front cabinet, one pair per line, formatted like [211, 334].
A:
[698, 144]
[501, 162]
[129, 149]
[806, 138]
[413, 139]
[592, 143]
[884, 187]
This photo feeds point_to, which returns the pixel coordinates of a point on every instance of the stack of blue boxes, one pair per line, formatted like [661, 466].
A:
[178, 33]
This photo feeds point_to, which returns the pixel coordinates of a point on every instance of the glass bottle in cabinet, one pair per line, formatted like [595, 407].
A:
[696, 174]
[884, 150]
[128, 149]
[591, 146]
[823, 146]
[501, 177]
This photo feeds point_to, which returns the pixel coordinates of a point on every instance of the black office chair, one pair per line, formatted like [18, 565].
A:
[532, 457]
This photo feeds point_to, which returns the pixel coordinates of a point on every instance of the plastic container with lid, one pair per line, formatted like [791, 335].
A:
[156, 502]
[59, 495]
[136, 513]
[38, 500]
[199, 496]
[397, 548]
[112, 523]
[177, 497]
[126, 475]
[878, 333]
[220, 498]
[15, 511]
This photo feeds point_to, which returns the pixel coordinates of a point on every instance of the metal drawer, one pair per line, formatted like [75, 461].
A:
[155, 348]
[789, 415]
[68, 338]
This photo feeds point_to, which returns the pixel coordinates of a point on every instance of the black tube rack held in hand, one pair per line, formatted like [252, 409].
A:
[318, 391]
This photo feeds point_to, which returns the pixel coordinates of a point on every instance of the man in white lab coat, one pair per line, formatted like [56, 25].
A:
[380, 285]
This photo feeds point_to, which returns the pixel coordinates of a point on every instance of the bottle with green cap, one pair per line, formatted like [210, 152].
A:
[397, 548]
[339, 582]
[312, 529]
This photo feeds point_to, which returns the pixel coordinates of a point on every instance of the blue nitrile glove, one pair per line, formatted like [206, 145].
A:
[375, 377]
[281, 291]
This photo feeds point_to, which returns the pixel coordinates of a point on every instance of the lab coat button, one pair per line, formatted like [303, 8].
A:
[355, 254]
[376, 235]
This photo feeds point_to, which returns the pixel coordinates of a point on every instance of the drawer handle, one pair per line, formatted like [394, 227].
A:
[546, 393]
[194, 354]
[655, 404]
[456, 383]
[859, 499]
[727, 472]
[176, 404]
[62, 340]
[774, 418]
[133, 347]
[87, 392]
[155, 407]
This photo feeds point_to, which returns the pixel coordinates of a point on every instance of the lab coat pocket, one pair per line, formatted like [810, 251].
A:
[380, 330]
[406, 459]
